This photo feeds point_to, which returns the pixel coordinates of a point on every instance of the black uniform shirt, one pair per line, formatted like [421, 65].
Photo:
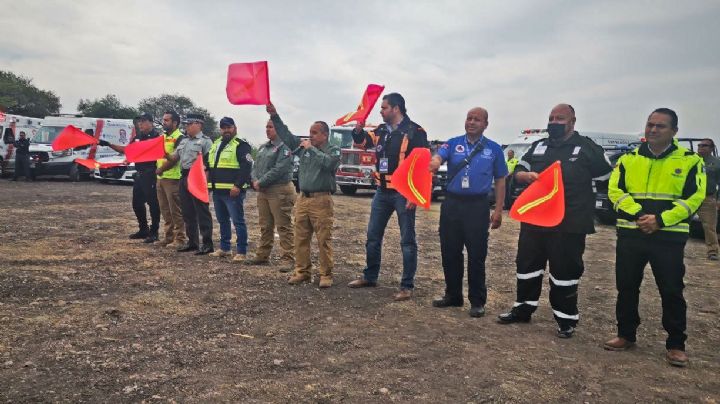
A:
[581, 160]
[22, 146]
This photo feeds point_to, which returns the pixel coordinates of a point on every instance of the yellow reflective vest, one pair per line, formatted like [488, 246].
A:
[225, 172]
[171, 141]
[511, 164]
[671, 186]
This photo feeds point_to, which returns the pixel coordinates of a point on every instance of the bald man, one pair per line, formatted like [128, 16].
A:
[474, 163]
[562, 245]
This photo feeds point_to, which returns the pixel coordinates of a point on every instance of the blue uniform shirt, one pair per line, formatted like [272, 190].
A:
[486, 166]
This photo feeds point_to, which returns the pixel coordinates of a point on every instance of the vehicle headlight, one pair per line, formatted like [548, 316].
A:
[367, 172]
[62, 153]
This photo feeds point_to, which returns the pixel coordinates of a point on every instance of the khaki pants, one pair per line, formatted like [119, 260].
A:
[708, 217]
[275, 204]
[313, 214]
[168, 194]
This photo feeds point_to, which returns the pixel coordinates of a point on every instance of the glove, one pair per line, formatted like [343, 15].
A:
[104, 143]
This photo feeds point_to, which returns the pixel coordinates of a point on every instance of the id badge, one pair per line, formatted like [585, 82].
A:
[383, 166]
[465, 182]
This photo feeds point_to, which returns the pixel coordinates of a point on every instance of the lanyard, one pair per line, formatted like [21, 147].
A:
[468, 151]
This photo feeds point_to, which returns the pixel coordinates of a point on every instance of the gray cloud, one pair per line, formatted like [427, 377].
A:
[614, 61]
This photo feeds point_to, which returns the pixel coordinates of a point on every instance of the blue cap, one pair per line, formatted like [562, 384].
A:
[226, 121]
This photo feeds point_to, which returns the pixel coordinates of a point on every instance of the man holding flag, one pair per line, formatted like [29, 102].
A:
[144, 184]
[168, 183]
[195, 212]
[474, 163]
[392, 141]
[562, 245]
[230, 163]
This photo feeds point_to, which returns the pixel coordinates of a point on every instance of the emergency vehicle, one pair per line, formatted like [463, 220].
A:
[10, 128]
[45, 161]
[119, 170]
[357, 166]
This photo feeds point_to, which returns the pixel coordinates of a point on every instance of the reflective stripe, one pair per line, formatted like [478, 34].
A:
[685, 205]
[652, 195]
[564, 283]
[525, 164]
[531, 274]
[566, 316]
[529, 303]
[615, 206]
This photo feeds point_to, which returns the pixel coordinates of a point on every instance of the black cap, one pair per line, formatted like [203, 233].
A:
[191, 118]
[226, 121]
[144, 117]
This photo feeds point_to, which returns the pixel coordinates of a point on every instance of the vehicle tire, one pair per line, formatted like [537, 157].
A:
[74, 173]
[348, 189]
[2, 168]
[604, 217]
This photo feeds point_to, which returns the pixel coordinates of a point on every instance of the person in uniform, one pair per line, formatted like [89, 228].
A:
[512, 162]
[562, 245]
[474, 163]
[708, 210]
[392, 141]
[272, 179]
[22, 158]
[168, 184]
[319, 161]
[230, 163]
[195, 212]
[144, 183]
[655, 190]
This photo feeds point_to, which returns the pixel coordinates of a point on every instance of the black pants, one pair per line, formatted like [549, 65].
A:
[464, 223]
[564, 252]
[22, 166]
[144, 192]
[666, 261]
[195, 214]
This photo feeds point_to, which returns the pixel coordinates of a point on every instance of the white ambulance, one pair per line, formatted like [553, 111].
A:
[10, 128]
[44, 161]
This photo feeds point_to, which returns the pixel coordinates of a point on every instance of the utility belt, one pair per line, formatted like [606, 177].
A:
[384, 181]
[314, 194]
[468, 198]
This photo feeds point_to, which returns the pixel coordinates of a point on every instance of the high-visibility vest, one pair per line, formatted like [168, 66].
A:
[511, 164]
[224, 173]
[673, 187]
[170, 142]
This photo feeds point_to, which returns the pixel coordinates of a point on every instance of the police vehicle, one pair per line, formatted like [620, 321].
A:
[10, 128]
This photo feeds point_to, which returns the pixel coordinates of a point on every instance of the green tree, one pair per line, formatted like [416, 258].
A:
[19, 96]
[181, 104]
[106, 107]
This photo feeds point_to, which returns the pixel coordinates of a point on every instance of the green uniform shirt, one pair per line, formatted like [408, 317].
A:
[712, 170]
[190, 147]
[273, 164]
[317, 166]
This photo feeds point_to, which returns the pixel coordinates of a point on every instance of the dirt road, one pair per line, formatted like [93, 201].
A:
[88, 315]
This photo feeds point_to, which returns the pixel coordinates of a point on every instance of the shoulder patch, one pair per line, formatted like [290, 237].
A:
[336, 152]
[248, 157]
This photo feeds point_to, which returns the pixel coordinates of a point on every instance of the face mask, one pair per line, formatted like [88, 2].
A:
[556, 130]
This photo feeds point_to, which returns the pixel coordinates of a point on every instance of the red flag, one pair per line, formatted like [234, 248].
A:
[543, 202]
[248, 84]
[372, 93]
[91, 164]
[413, 179]
[146, 150]
[72, 137]
[197, 181]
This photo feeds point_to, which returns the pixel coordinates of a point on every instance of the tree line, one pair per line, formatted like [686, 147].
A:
[18, 95]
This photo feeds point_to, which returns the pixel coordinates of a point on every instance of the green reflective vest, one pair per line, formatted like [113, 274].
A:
[171, 142]
[226, 170]
[511, 164]
[670, 186]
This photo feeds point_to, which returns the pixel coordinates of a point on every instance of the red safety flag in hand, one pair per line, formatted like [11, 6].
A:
[146, 150]
[543, 202]
[72, 137]
[372, 93]
[248, 84]
[412, 179]
[197, 181]
[92, 164]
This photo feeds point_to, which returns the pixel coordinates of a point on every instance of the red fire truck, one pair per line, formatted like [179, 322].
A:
[357, 166]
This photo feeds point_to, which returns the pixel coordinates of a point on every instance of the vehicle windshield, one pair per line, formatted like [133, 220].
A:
[46, 134]
[341, 138]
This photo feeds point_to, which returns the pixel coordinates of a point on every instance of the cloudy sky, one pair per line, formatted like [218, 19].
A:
[613, 61]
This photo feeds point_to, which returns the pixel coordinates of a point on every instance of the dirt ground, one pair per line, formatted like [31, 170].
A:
[87, 315]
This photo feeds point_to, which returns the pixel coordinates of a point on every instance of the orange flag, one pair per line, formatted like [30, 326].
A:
[543, 202]
[92, 164]
[197, 181]
[372, 93]
[146, 150]
[248, 83]
[413, 179]
[72, 137]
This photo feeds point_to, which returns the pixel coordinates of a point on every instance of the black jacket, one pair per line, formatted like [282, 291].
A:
[22, 146]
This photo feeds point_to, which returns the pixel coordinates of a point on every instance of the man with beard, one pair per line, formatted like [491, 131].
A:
[168, 184]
